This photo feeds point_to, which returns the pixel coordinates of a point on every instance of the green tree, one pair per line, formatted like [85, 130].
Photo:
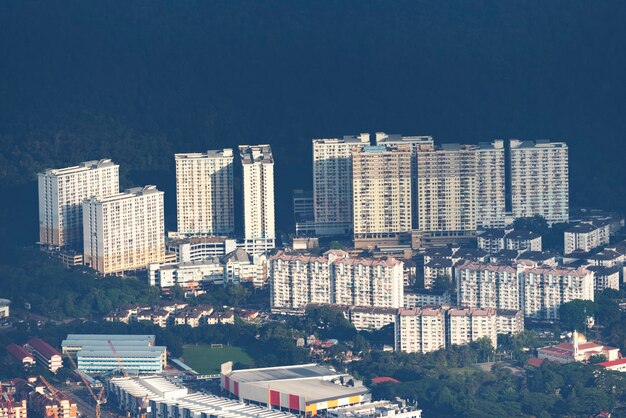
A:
[573, 315]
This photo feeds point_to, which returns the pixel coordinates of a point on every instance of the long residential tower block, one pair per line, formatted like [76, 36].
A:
[204, 193]
[124, 231]
[381, 178]
[61, 195]
[332, 183]
[539, 180]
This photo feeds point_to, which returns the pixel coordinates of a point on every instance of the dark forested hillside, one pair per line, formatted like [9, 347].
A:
[138, 81]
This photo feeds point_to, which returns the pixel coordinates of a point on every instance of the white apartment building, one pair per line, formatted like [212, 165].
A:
[587, 236]
[200, 248]
[124, 231]
[381, 178]
[435, 268]
[189, 275]
[495, 240]
[204, 193]
[368, 282]
[539, 180]
[546, 288]
[522, 240]
[371, 318]
[258, 197]
[447, 188]
[605, 277]
[466, 325]
[297, 280]
[491, 240]
[420, 330]
[510, 322]
[426, 297]
[490, 185]
[61, 195]
[415, 143]
[332, 183]
[484, 285]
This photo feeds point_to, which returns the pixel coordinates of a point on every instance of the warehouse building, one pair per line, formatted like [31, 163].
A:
[168, 400]
[299, 389]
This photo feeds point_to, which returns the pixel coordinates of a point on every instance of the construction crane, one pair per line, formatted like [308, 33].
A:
[55, 394]
[7, 404]
[98, 399]
[117, 358]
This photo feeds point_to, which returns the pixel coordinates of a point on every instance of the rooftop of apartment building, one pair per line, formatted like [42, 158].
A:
[382, 138]
[374, 310]
[439, 263]
[424, 311]
[539, 143]
[540, 256]
[363, 138]
[251, 154]
[492, 234]
[84, 166]
[226, 152]
[198, 240]
[605, 255]
[477, 266]
[587, 226]
[604, 271]
[522, 234]
[128, 194]
[472, 311]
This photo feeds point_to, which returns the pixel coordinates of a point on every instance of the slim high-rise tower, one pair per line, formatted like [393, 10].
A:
[539, 180]
[258, 197]
[490, 185]
[447, 188]
[61, 194]
[332, 183]
[204, 193]
[416, 143]
[381, 193]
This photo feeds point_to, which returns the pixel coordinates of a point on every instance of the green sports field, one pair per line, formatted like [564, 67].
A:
[207, 360]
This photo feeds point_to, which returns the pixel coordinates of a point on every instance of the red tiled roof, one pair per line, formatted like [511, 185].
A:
[612, 363]
[383, 379]
[43, 347]
[18, 351]
[535, 362]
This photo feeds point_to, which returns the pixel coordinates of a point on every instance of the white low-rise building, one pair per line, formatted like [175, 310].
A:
[426, 297]
[371, 318]
[420, 330]
[466, 325]
[605, 277]
[586, 236]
